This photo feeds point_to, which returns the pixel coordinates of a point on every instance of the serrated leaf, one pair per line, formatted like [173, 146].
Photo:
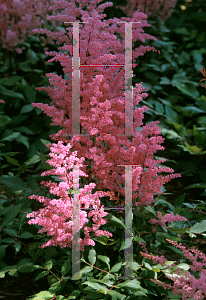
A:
[11, 137]
[116, 267]
[183, 266]
[104, 259]
[13, 272]
[32, 183]
[43, 161]
[12, 161]
[92, 256]
[199, 227]
[86, 270]
[17, 247]
[8, 240]
[26, 235]
[48, 264]
[2, 251]
[132, 284]
[114, 220]
[33, 160]
[201, 185]
[14, 183]
[44, 295]
[94, 295]
[28, 268]
[99, 287]
[11, 214]
[41, 275]
[179, 201]
[11, 232]
[116, 295]
[66, 267]
[30, 94]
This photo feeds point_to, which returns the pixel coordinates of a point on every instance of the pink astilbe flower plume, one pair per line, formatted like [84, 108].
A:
[102, 111]
[56, 218]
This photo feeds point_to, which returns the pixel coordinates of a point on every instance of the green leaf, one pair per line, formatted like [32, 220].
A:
[192, 109]
[14, 183]
[86, 270]
[43, 161]
[45, 142]
[201, 185]
[11, 137]
[4, 120]
[28, 268]
[32, 183]
[25, 66]
[11, 232]
[132, 284]
[187, 89]
[66, 267]
[116, 267]
[26, 235]
[33, 160]
[99, 287]
[92, 256]
[44, 295]
[26, 108]
[12, 214]
[159, 108]
[115, 295]
[17, 247]
[183, 266]
[11, 94]
[193, 149]
[177, 251]
[13, 272]
[198, 57]
[199, 227]
[30, 93]
[12, 161]
[94, 295]
[182, 30]
[114, 220]
[104, 259]
[41, 275]
[48, 264]
[2, 251]
[8, 240]
[12, 80]
[179, 201]
[31, 56]
[74, 295]
[23, 140]
[164, 203]
[171, 114]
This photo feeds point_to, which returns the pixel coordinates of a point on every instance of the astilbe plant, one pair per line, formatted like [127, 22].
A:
[102, 103]
[18, 18]
[163, 8]
[57, 217]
